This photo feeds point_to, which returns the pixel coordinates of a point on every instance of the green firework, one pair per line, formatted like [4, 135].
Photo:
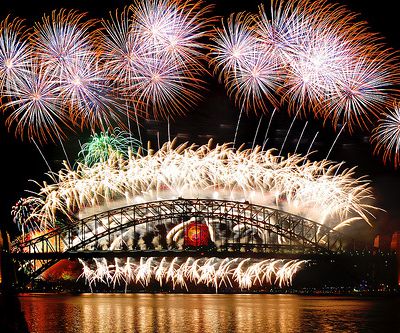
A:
[101, 145]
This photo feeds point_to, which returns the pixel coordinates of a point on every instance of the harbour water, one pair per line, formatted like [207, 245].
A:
[90, 313]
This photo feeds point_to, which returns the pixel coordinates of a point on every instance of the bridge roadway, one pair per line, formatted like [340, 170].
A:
[195, 253]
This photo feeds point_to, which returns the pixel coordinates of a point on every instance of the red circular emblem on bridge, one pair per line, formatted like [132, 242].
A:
[196, 234]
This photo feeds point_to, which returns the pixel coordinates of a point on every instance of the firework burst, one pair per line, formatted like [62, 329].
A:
[24, 215]
[234, 43]
[250, 74]
[122, 51]
[255, 83]
[15, 53]
[101, 146]
[362, 90]
[330, 64]
[176, 28]
[165, 88]
[153, 52]
[36, 107]
[386, 136]
[149, 56]
[62, 39]
[168, 77]
[86, 91]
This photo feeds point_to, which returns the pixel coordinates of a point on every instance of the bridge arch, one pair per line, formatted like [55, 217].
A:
[235, 228]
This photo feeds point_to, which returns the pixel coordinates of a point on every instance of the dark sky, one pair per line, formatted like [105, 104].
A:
[215, 116]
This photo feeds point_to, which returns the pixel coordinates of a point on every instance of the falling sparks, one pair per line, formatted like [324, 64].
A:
[316, 190]
[215, 273]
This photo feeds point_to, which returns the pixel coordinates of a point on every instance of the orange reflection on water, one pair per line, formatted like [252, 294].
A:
[165, 313]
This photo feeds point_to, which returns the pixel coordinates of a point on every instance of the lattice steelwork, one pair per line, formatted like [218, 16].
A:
[154, 229]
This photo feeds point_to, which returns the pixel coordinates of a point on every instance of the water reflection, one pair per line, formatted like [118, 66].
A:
[206, 313]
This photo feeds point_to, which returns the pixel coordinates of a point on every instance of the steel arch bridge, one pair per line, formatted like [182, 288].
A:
[157, 229]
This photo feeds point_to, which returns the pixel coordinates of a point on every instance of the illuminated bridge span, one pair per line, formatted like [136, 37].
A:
[180, 227]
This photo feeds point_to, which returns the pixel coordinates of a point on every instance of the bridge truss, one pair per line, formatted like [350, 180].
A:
[156, 229]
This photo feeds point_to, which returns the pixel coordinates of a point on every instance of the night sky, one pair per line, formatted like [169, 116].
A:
[216, 116]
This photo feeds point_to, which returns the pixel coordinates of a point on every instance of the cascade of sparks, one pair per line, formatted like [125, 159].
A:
[319, 191]
[180, 273]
